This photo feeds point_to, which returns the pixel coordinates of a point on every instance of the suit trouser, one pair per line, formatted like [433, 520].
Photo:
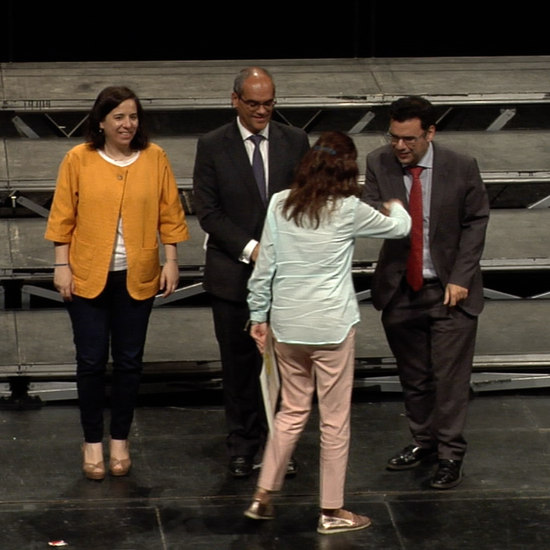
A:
[302, 368]
[114, 315]
[434, 347]
[241, 367]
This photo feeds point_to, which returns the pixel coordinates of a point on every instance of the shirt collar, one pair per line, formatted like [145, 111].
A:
[245, 134]
[427, 161]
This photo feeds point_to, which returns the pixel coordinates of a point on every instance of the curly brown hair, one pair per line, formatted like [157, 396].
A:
[327, 172]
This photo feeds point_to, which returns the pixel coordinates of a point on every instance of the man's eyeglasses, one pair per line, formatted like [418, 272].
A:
[255, 105]
[407, 140]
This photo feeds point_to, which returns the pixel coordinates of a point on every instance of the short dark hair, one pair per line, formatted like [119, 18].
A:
[413, 106]
[327, 172]
[246, 73]
[108, 99]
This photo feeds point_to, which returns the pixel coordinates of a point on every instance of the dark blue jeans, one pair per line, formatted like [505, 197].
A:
[114, 315]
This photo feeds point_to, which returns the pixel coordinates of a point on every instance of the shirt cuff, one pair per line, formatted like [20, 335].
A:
[257, 318]
[247, 251]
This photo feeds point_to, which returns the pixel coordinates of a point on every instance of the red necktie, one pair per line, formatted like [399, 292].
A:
[414, 261]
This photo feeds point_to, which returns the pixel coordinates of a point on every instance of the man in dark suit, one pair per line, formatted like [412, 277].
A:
[237, 169]
[429, 285]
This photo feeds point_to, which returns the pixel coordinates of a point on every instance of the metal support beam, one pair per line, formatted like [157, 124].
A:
[179, 294]
[516, 264]
[496, 381]
[363, 123]
[542, 203]
[53, 391]
[487, 293]
[24, 129]
[290, 123]
[363, 295]
[62, 128]
[310, 121]
[479, 382]
[19, 397]
[186, 197]
[505, 116]
[443, 115]
[196, 289]
[31, 205]
[42, 292]
[497, 295]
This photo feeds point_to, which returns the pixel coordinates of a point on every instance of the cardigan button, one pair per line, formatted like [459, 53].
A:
[119, 177]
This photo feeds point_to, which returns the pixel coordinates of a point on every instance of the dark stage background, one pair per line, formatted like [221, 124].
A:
[62, 31]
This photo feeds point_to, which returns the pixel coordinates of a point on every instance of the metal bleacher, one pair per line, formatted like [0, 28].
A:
[497, 109]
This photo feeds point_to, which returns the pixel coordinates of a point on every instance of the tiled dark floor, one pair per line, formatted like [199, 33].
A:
[180, 496]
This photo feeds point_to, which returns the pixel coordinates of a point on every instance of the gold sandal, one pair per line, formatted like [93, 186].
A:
[120, 466]
[92, 471]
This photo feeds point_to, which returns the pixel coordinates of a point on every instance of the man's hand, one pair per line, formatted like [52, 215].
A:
[259, 333]
[454, 294]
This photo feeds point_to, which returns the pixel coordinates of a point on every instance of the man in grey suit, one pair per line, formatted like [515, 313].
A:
[237, 169]
[429, 287]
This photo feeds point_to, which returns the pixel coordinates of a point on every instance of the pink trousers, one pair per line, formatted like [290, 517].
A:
[304, 368]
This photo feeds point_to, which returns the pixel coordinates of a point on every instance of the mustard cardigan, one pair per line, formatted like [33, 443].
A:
[92, 193]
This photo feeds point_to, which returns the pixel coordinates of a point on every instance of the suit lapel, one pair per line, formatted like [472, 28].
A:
[396, 181]
[439, 187]
[276, 145]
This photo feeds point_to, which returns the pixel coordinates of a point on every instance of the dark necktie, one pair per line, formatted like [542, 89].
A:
[258, 166]
[414, 261]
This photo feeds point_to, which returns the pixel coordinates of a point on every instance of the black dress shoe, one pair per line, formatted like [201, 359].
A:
[448, 474]
[292, 467]
[241, 466]
[409, 457]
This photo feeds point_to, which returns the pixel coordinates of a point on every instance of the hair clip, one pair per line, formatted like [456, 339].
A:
[328, 150]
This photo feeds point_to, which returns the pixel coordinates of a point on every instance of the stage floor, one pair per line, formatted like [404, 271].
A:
[179, 494]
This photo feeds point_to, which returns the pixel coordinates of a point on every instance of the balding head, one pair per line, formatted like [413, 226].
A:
[254, 98]
[250, 72]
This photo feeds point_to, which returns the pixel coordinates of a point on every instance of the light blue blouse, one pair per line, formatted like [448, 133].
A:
[302, 282]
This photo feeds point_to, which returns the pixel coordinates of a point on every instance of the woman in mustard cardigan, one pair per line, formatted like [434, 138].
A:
[115, 196]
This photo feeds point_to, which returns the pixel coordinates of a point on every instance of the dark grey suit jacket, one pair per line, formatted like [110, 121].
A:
[228, 203]
[459, 213]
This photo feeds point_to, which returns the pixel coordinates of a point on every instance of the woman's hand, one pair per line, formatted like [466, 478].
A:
[63, 282]
[259, 333]
[386, 206]
[169, 277]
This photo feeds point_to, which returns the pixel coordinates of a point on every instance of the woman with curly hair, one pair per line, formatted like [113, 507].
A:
[302, 292]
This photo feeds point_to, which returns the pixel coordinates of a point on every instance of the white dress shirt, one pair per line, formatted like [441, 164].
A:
[427, 162]
[264, 150]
